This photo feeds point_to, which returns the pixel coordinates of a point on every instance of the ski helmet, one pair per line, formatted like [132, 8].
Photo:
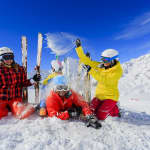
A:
[56, 65]
[6, 53]
[60, 83]
[109, 54]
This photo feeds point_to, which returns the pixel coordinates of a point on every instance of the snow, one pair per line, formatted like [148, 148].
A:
[131, 132]
[60, 43]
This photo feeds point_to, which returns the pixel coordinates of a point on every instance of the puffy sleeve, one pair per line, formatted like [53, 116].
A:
[53, 108]
[50, 76]
[25, 82]
[84, 59]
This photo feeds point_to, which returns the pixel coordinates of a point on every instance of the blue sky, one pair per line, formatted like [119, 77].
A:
[118, 24]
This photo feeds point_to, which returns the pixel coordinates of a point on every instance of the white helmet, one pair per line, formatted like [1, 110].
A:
[56, 65]
[110, 53]
[5, 50]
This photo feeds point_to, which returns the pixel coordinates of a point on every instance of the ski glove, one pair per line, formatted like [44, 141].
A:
[37, 77]
[74, 111]
[93, 122]
[87, 68]
[78, 43]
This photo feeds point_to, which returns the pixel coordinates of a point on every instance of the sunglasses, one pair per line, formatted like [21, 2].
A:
[62, 88]
[8, 57]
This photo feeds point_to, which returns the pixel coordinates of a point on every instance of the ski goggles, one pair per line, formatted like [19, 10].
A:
[107, 59]
[7, 57]
[62, 88]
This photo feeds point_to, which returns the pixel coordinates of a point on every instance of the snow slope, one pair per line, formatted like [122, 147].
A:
[135, 84]
[131, 132]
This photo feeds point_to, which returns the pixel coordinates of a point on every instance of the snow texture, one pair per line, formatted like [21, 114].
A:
[131, 132]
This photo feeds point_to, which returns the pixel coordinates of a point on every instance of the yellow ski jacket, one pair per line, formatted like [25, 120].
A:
[107, 87]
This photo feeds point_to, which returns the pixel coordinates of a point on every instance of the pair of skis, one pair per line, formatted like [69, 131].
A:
[24, 63]
[87, 92]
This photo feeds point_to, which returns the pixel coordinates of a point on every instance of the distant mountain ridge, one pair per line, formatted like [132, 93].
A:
[136, 77]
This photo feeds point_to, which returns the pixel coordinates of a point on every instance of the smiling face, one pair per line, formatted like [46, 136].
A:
[8, 62]
[62, 90]
[8, 59]
[61, 93]
[107, 64]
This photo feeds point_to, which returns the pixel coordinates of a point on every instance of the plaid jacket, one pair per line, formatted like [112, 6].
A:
[12, 81]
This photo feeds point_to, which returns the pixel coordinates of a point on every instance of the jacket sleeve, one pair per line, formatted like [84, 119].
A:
[79, 101]
[25, 82]
[84, 59]
[45, 81]
[53, 109]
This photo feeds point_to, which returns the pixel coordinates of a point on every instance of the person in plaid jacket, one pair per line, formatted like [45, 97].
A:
[12, 80]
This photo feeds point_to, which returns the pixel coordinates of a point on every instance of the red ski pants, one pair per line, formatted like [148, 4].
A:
[103, 109]
[4, 104]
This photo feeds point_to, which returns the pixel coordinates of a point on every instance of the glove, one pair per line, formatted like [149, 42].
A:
[101, 65]
[37, 77]
[87, 54]
[78, 43]
[37, 107]
[74, 111]
[87, 68]
[93, 122]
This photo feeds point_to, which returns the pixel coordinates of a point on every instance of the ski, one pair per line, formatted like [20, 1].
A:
[87, 83]
[83, 77]
[24, 64]
[39, 51]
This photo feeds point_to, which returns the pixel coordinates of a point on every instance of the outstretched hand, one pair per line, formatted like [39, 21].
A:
[36, 77]
[78, 43]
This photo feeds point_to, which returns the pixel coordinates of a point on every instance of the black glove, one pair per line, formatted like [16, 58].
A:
[78, 43]
[93, 122]
[101, 65]
[37, 77]
[88, 54]
[37, 107]
[74, 111]
[87, 68]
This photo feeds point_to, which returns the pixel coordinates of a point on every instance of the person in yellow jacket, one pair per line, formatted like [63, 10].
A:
[56, 70]
[107, 73]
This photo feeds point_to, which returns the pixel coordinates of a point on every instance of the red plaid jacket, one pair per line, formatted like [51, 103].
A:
[12, 80]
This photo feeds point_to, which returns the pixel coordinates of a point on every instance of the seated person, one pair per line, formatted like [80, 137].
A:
[56, 70]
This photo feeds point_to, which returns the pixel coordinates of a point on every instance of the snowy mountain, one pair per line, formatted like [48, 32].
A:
[131, 132]
[135, 83]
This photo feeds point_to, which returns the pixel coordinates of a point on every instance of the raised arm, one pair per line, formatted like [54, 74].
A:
[83, 58]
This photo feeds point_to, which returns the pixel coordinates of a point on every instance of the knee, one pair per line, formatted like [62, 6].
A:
[101, 115]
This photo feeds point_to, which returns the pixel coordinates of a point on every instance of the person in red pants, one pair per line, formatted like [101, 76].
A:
[12, 80]
[107, 73]
[64, 103]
